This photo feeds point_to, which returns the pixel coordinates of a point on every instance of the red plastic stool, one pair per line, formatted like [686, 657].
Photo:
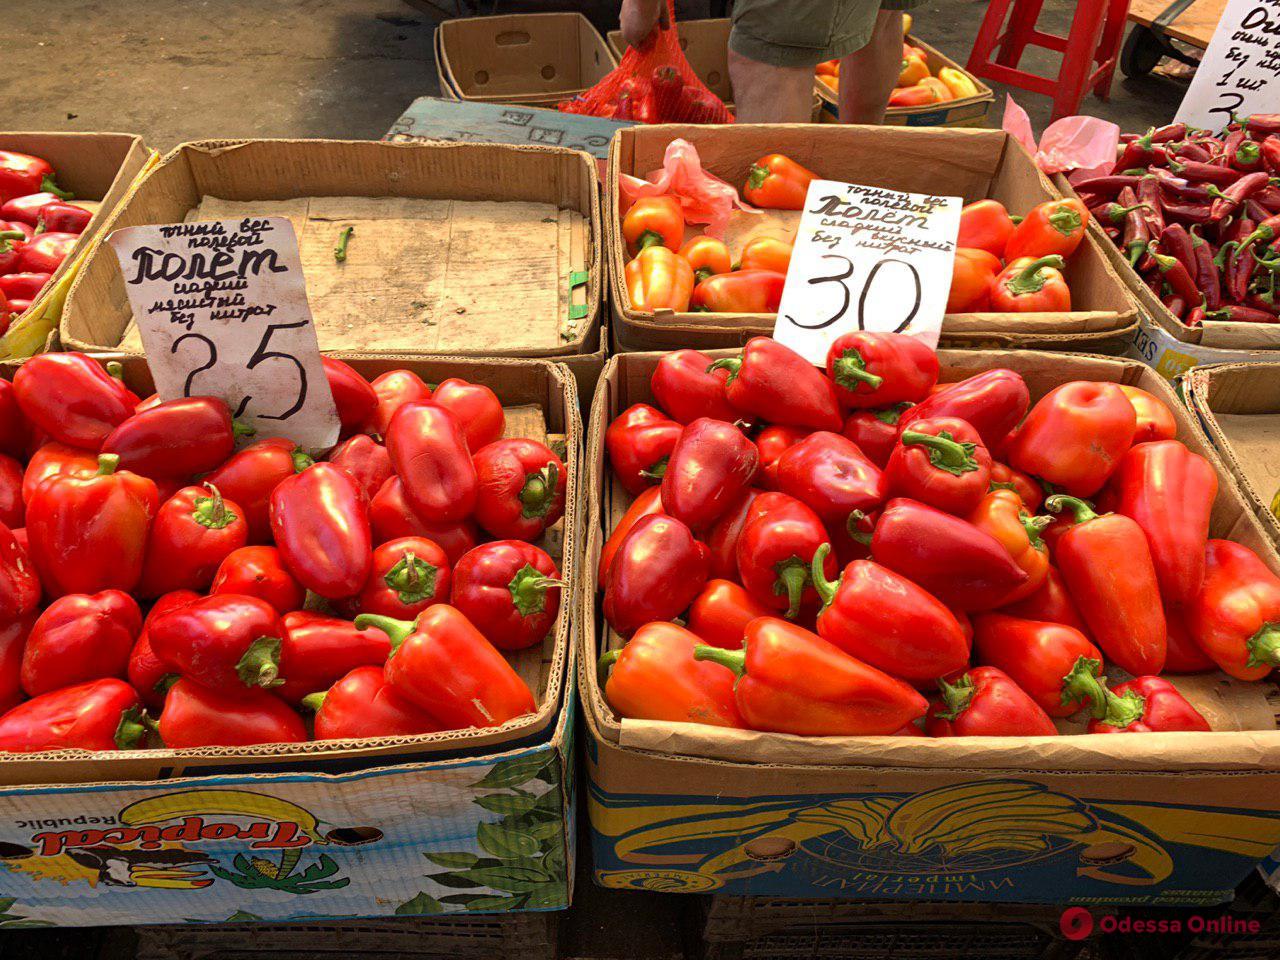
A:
[1096, 33]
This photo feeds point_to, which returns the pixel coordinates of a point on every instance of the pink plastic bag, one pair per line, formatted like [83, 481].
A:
[704, 197]
[1082, 144]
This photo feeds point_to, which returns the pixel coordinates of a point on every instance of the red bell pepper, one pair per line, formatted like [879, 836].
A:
[394, 389]
[12, 243]
[1037, 654]
[773, 382]
[352, 395]
[775, 552]
[259, 572]
[90, 534]
[510, 591]
[1075, 436]
[429, 452]
[409, 574]
[1182, 653]
[659, 279]
[722, 539]
[22, 286]
[852, 540]
[685, 387]
[362, 704]
[45, 252]
[830, 475]
[1004, 477]
[986, 702]
[20, 589]
[59, 217]
[521, 489]
[12, 507]
[884, 619]
[196, 716]
[875, 432]
[962, 566]
[710, 466]
[321, 527]
[27, 208]
[1031, 286]
[881, 369]
[1169, 492]
[1002, 514]
[1154, 418]
[72, 398]
[1235, 619]
[80, 638]
[655, 677]
[1143, 705]
[1107, 566]
[653, 221]
[54, 459]
[22, 174]
[639, 442]
[993, 403]
[228, 642]
[1055, 227]
[940, 461]
[771, 443]
[985, 225]
[391, 517]
[638, 589]
[366, 461]
[193, 532]
[720, 613]
[250, 477]
[14, 433]
[445, 666]
[476, 407]
[649, 502]
[146, 673]
[793, 681]
[776, 182]
[316, 651]
[742, 291]
[972, 277]
[99, 715]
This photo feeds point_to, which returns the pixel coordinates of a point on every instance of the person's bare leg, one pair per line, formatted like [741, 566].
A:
[763, 93]
[867, 76]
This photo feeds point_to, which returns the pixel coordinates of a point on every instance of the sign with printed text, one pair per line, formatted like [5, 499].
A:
[1240, 71]
[222, 310]
[867, 259]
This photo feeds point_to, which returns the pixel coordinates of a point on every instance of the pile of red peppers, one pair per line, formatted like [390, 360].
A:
[38, 228]
[166, 578]
[862, 550]
[1197, 214]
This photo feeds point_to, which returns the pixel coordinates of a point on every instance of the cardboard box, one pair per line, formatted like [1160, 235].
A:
[1171, 358]
[537, 59]
[98, 168]
[963, 112]
[1238, 405]
[1168, 818]
[460, 248]
[972, 164]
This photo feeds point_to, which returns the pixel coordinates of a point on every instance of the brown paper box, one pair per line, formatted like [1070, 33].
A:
[973, 164]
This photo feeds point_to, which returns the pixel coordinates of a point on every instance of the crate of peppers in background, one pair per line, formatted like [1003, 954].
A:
[299, 608]
[903, 569]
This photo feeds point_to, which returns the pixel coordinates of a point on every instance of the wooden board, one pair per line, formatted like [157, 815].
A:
[1195, 25]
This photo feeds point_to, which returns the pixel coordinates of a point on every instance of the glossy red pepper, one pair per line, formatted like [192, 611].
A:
[391, 517]
[1154, 418]
[771, 443]
[148, 675]
[13, 638]
[986, 702]
[742, 291]
[773, 382]
[477, 408]
[72, 398]
[394, 389]
[12, 242]
[776, 549]
[522, 487]
[829, 474]
[59, 217]
[23, 286]
[1182, 653]
[993, 402]
[14, 432]
[1053, 227]
[1235, 619]
[259, 571]
[362, 704]
[640, 588]
[55, 458]
[881, 369]
[722, 538]
[940, 461]
[683, 386]
[45, 252]
[709, 467]
[366, 461]
[649, 502]
[193, 532]
[90, 534]
[12, 507]
[227, 642]
[1075, 436]
[1143, 705]
[20, 588]
[1037, 654]
[510, 591]
[27, 208]
[875, 431]
[99, 715]
[317, 651]
[352, 395]
[429, 452]
[408, 575]
[720, 613]
[321, 527]
[250, 477]
[639, 442]
[985, 225]
[22, 174]
[196, 716]
[1004, 477]
[80, 637]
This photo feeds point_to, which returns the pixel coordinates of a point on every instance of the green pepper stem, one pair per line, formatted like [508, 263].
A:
[48, 185]
[732, 364]
[314, 701]
[851, 527]
[529, 588]
[212, 511]
[260, 665]
[702, 273]
[850, 371]
[945, 451]
[1065, 220]
[1264, 646]
[957, 696]
[757, 176]
[826, 588]
[131, 730]
[793, 577]
[658, 470]
[891, 415]
[1034, 526]
[301, 460]
[241, 429]
[115, 369]
[108, 463]
[1030, 279]
[607, 660]
[1082, 509]
[1084, 683]
[538, 495]
[650, 238]
[397, 630]
[344, 238]
[735, 660]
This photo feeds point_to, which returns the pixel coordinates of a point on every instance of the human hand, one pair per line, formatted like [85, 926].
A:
[639, 17]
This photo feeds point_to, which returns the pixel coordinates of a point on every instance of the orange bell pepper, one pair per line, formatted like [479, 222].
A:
[743, 291]
[941, 89]
[832, 81]
[659, 279]
[911, 50]
[766, 253]
[829, 68]
[776, 182]
[971, 279]
[708, 256]
[1031, 286]
[958, 82]
[1002, 514]
[1055, 226]
[917, 96]
[914, 69]
[654, 220]
[985, 225]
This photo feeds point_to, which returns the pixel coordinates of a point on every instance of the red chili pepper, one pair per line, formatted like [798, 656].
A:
[639, 442]
[1270, 150]
[429, 452]
[775, 552]
[99, 715]
[510, 591]
[686, 389]
[316, 651]
[53, 459]
[476, 407]
[771, 443]
[79, 638]
[649, 502]
[90, 534]
[362, 704]
[1235, 619]
[228, 642]
[193, 532]
[59, 217]
[354, 398]
[1107, 566]
[259, 572]
[829, 474]
[175, 440]
[1225, 202]
[1038, 655]
[250, 477]
[993, 403]
[942, 462]
[1055, 227]
[394, 389]
[881, 369]
[45, 252]
[875, 431]
[1108, 186]
[1233, 313]
[1213, 173]
[637, 589]
[773, 382]
[1263, 124]
[1050, 602]
[72, 398]
[195, 716]
[959, 564]
[409, 574]
[986, 702]
[1143, 705]
[1075, 436]
[366, 461]
[22, 286]
[720, 613]
[722, 539]
[21, 174]
[391, 517]
[321, 527]
[521, 488]
[146, 673]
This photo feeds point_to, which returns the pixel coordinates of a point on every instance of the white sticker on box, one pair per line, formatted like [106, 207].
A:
[222, 309]
[867, 259]
[1239, 73]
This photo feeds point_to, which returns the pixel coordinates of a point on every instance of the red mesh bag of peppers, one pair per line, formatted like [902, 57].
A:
[653, 84]
[1198, 215]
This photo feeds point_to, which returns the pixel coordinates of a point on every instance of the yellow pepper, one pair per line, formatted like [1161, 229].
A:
[914, 69]
[958, 82]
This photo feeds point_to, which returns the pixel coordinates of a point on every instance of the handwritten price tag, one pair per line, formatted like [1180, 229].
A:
[222, 309]
[1240, 71]
[867, 259]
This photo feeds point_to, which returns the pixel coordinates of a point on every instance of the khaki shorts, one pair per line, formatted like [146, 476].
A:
[804, 33]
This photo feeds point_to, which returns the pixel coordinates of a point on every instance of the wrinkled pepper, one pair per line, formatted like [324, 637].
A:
[510, 591]
[78, 638]
[225, 642]
[72, 398]
[98, 715]
[830, 475]
[429, 452]
[712, 463]
[321, 527]
[521, 488]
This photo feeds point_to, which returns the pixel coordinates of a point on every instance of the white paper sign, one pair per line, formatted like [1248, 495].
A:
[1240, 71]
[867, 259]
[222, 309]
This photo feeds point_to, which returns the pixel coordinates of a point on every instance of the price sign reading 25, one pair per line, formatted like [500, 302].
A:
[866, 258]
[222, 309]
